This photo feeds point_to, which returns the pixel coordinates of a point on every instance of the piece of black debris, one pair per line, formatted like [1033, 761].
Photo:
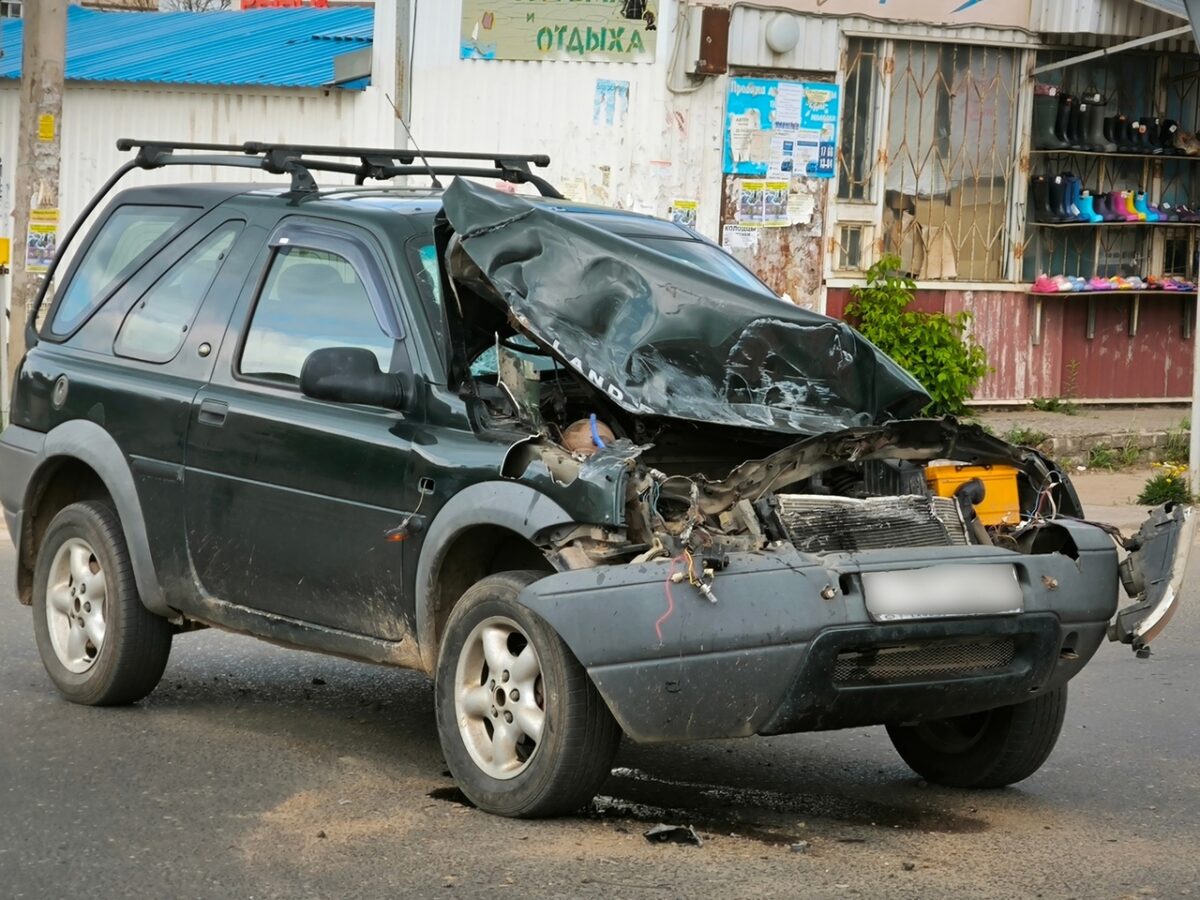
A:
[908, 867]
[799, 847]
[674, 834]
[318, 680]
[322, 835]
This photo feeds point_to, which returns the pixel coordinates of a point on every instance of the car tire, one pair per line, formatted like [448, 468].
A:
[99, 644]
[984, 750]
[533, 739]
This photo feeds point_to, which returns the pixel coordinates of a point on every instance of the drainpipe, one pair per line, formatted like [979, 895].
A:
[1193, 11]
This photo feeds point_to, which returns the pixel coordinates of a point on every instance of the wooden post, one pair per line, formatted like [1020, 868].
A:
[35, 197]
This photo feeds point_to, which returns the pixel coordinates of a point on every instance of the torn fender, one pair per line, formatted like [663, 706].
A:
[655, 334]
[1153, 574]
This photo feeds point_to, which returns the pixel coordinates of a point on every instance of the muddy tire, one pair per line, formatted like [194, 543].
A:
[984, 750]
[99, 644]
[524, 732]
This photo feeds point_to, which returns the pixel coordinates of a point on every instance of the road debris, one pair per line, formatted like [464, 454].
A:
[673, 834]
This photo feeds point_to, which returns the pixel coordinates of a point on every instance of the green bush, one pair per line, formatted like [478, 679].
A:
[1168, 484]
[1026, 437]
[934, 347]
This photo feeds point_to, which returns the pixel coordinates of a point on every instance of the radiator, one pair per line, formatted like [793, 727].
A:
[818, 524]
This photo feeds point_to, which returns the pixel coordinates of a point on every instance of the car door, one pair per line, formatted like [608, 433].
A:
[288, 499]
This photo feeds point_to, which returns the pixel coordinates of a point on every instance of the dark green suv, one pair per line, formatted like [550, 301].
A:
[577, 464]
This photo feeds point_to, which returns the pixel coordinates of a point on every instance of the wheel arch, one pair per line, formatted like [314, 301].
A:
[487, 528]
[80, 461]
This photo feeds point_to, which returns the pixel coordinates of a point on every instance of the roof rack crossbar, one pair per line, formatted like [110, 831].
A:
[374, 163]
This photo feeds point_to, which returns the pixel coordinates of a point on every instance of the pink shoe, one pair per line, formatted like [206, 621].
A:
[1043, 285]
[1099, 284]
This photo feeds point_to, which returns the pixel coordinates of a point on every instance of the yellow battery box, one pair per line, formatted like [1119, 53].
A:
[1000, 506]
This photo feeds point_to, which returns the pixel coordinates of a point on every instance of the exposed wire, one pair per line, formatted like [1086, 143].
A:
[658, 624]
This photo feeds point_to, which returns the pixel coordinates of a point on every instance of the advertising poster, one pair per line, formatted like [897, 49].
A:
[609, 31]
[683, 212]
[781, 129]
[763, 204]
[42, 241]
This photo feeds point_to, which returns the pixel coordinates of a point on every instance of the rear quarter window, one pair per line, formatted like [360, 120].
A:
[125, 241]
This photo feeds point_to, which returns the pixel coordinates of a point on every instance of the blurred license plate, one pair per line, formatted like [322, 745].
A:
[942, 591]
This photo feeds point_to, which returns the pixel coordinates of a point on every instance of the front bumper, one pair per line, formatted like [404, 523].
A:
[773, 655]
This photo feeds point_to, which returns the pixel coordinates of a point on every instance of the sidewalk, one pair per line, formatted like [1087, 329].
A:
[1133, 434]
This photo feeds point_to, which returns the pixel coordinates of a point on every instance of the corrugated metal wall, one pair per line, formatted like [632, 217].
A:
[658, 147]
[1155, 363]
[94, 116]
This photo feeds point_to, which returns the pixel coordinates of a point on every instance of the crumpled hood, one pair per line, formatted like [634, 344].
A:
[658, 335]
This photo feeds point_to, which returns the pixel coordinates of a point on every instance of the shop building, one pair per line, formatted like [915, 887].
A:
[812, 136]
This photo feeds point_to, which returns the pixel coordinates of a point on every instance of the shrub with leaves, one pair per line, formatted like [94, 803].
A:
[1169, 483]
[934, 347]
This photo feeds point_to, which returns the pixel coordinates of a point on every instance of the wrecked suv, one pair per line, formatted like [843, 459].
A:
[576, 464]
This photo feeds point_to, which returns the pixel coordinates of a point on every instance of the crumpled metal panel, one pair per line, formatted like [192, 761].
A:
[660, 336]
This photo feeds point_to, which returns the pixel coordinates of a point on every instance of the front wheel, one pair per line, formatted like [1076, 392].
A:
[990, 749]
[523, 729]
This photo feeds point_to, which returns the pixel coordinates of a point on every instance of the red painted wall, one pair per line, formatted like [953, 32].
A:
[1153, 364]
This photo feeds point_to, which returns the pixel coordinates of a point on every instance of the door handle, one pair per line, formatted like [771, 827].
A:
[213, 412]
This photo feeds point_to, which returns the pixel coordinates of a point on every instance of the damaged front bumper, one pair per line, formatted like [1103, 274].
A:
[791, 645]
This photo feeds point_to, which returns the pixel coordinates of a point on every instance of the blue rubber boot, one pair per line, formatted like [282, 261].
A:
[1087, 210]
[1139, 203]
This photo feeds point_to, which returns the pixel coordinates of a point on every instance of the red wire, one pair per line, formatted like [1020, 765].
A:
[670, 599]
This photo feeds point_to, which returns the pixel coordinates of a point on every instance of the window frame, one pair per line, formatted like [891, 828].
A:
[867, 216]
[327, 238]
[240, 225]
[192, 213]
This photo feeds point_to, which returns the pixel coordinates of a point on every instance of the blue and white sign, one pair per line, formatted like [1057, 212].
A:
[781, 128]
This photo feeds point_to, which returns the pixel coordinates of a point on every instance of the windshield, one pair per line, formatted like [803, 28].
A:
[706, 258]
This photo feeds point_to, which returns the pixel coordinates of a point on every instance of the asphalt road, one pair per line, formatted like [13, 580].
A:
[259, 772]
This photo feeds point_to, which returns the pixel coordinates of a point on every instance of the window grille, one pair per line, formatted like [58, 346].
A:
[949, 164]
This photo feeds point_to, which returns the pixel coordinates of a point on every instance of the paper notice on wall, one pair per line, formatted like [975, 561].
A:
[782, 161]
[763, 204]
[573, 189]
[42, 241]
[800, 208]
[736, 238]
[684, 212]
[808, 150]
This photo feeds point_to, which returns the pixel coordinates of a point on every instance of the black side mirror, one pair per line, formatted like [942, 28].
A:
[351, 375]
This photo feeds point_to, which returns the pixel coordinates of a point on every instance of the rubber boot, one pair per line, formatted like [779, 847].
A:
[1041, 199]
[1130, 209]
[1095, 131]
[1086, 211]
[1074, 191]
[1153, 134]
[1045, 111]
[1103, 207]
[1075, 126]
[1144, 212]
[1058, 198]
[1166, 137]
[1121, 208]
[1122, 135]
[1109, 131]
[1062, 119]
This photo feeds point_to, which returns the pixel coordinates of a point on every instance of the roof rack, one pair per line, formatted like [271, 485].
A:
[374, 164]
[299, 161]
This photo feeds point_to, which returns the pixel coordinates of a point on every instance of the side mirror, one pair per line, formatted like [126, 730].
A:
[351, 375]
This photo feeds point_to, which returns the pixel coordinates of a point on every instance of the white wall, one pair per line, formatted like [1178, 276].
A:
[666, 146]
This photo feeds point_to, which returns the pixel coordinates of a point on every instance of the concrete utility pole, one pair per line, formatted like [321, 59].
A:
[35, 200]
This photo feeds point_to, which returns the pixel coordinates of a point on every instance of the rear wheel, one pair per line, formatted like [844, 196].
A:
[99, 644]
[984, 750]
[524, 731]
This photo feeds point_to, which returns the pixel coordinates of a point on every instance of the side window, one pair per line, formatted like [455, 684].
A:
[127, 234]
[155, 328]
[311, 299]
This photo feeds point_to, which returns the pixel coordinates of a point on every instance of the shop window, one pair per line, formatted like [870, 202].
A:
[948, 171]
